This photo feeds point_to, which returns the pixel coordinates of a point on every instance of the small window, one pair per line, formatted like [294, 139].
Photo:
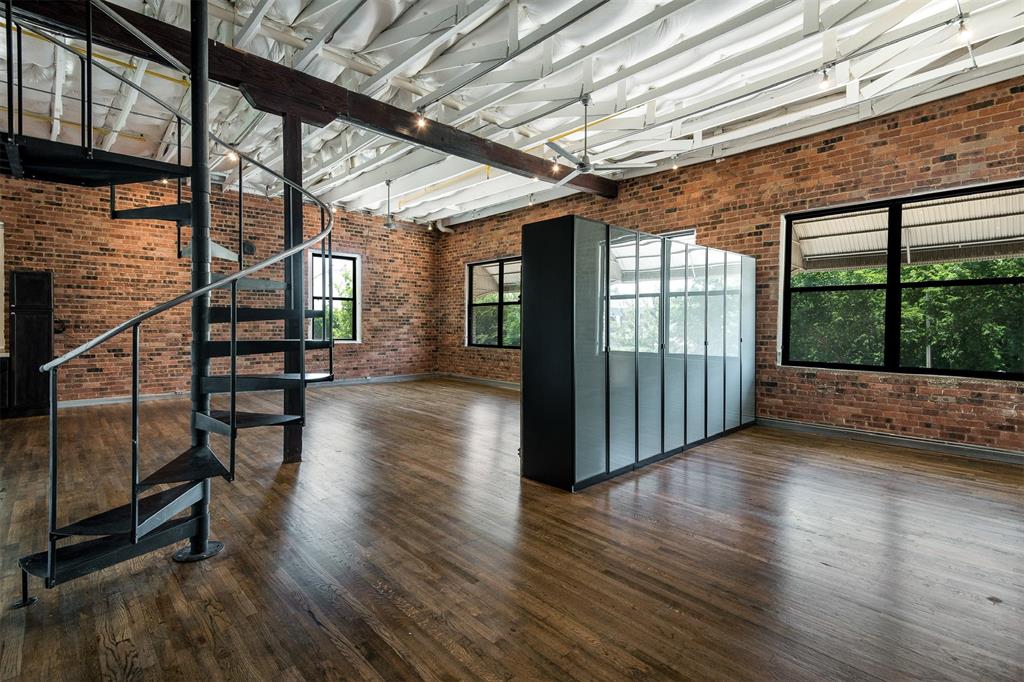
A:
[931, 284]
[494, 303]
[340, 296]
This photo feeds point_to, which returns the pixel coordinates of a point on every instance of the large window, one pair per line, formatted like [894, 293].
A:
[340, 297]
[493, 303]
[931, 284]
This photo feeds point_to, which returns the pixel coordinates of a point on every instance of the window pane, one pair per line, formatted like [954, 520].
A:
[512, 283]
[966, 237]
[820, 278]
[844, 327]
[973, 327]
[484, 325]
[484, 280]
[344, 320]
[852, 244]
[510, 330]
[343, 277]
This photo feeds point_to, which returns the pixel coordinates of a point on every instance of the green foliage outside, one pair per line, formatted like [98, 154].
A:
[485, 321]
[956, 328]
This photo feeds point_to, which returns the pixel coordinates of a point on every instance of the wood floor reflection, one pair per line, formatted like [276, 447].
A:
[406, 546]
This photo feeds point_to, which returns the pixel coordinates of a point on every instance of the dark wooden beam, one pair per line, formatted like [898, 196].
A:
[279, 89]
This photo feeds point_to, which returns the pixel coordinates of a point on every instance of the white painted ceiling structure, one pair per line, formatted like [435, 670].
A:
[672, 82]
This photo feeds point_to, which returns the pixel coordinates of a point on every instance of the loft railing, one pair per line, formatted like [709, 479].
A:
[88, 62]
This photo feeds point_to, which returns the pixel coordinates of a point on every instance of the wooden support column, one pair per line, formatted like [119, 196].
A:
[294, 327]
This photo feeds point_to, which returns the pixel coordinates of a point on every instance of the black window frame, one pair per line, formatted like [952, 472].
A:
[893, 286]
[500, 304]
[354, 299]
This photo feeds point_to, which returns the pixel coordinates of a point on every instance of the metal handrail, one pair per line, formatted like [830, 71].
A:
[219, 284]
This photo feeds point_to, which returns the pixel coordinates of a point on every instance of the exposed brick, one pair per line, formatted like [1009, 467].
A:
[737, 204]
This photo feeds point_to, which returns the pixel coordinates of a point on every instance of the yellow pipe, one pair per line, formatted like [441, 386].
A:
[107, 58]
[96, 129]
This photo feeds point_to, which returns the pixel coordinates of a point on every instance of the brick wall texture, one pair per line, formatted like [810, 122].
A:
[414, 282]
[737, 204]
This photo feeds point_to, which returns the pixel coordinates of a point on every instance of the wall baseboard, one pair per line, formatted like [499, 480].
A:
[969, 451]
[112, 400]
[494, 383]
[385, 379]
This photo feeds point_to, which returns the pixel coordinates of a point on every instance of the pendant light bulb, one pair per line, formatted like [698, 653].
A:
[675, 164]
[421, 120]
[963, 32]
[826, 80]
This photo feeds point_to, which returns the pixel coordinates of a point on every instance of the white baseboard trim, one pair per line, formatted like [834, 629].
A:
[945, 447]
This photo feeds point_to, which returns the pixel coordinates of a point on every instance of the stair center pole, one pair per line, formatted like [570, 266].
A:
[294, 398]
[200, 545]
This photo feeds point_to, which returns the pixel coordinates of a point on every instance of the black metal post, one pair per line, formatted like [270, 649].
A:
[51, 555]
[294, 326]
[87, 95]
[233, 419]
[200, 545]
[8, 29]
[21, 87]
[135, 433]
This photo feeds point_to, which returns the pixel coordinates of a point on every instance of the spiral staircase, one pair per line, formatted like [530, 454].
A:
[169, 502]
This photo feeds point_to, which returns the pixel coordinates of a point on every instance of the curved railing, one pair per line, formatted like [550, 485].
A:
[327, 217]
[228, 282]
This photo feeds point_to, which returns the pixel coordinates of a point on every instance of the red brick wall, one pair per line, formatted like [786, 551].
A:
[108, 270]
[736, 204]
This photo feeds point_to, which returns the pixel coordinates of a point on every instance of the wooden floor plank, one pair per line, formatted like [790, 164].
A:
[406, 546]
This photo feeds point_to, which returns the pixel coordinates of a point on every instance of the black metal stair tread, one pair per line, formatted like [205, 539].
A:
[194, 464]
[256, 346]
[221, 383]
[248, 420]
[175, 212]
[70, 164]
[223, 314]
[119, 519]
[82, 558]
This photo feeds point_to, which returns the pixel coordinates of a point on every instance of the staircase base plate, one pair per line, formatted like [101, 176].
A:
[185, 555]
[20, 604]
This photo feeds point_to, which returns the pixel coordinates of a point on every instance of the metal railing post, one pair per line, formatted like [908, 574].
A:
[51, 554]
[240, 215]
[21, 86]
[330, 304]
[232, 419]
[8, 30]
[135, 434]
[324, 292]
[87, 95]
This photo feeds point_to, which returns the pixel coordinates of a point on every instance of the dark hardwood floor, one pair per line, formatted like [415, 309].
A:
[406, 546]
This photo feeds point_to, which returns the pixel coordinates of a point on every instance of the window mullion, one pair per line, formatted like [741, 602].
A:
[893, 290]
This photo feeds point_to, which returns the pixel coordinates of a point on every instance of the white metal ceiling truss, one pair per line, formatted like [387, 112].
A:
[671, 83]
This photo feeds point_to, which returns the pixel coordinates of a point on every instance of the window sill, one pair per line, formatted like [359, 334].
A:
[482, 346]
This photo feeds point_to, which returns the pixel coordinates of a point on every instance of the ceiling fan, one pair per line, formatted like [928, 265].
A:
[583, 164]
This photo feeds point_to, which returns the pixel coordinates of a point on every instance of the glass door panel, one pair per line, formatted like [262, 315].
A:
[588, 351]
[696, 337]
[716, 342]
[675, 345]
[649, 347]
[732, 340]
[748, 338]
[622, 347]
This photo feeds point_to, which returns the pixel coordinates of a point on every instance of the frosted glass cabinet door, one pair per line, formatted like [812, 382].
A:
[649, 347]
[732, 340]
[696, 351]
[622, 338]
[749, 337]
[675, 345]
[716, 342]
[588, 351]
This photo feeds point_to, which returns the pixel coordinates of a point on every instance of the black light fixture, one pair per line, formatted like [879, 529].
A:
[389, 222]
